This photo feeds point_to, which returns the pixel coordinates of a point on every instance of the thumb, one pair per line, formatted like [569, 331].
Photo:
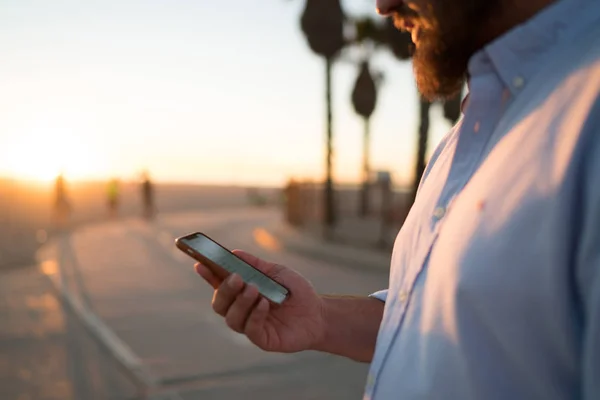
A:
[263, 266]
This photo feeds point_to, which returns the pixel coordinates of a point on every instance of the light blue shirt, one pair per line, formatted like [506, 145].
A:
[494, 288]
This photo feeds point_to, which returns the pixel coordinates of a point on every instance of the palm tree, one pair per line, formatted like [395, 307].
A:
[364, 100]
[322, 23]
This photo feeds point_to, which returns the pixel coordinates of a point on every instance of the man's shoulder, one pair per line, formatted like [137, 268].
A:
[565, 89]
[573, 65]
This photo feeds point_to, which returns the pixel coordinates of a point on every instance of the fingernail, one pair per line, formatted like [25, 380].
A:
[263, 304]
[234, 280]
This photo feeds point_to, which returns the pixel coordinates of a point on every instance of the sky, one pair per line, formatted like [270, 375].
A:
[195, 91]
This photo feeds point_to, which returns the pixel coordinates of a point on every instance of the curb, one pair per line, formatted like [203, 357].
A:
[53, 269]
[336, 253]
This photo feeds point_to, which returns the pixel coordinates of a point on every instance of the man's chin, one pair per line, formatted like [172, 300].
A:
[436, 80]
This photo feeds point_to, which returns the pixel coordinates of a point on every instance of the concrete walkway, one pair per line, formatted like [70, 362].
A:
[310, 243]
[140, 298]
[45, 352]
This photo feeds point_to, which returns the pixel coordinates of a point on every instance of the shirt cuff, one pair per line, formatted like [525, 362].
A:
[381, 295]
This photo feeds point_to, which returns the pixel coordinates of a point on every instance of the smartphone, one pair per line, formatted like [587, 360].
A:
[223, 262]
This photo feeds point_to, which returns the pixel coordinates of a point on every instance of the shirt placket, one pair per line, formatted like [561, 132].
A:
[473, 138]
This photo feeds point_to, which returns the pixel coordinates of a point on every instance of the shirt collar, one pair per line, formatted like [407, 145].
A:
[517, 55]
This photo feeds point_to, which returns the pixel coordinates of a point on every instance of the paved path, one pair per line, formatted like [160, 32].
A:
[143, 303]
[45, 352]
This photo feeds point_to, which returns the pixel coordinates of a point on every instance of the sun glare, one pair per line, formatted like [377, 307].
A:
[42, 156]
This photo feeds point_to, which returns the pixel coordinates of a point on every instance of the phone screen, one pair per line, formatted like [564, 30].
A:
[232, 264]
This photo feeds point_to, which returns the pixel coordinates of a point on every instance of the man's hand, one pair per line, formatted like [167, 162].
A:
[296, 325]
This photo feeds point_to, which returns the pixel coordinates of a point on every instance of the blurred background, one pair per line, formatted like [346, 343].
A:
[292, 129]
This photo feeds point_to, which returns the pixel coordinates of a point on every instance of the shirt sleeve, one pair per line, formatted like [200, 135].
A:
[381, 295]
[588, 263]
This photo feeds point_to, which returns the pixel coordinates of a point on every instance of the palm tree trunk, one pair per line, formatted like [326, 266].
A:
[329, 216]
[420, 164]
[364, 194]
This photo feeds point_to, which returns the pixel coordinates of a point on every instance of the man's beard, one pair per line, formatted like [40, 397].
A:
[440, 65]
[442, 55]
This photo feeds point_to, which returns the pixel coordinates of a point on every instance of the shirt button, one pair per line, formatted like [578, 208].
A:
[476, 127]
[439, 212]
[518, 82]
[403, 296]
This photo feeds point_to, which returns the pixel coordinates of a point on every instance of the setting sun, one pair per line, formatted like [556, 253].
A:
[41, 156]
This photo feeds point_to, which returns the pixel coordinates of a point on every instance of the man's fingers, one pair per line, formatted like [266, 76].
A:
[256, 321]
[208, 275]
[240, 309]
[226, 294]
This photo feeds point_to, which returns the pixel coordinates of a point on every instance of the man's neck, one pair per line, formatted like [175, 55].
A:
[510, 14]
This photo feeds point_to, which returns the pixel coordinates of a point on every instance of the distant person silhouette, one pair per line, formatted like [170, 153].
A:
[113, 198]
[62, 207]
[147, 196]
